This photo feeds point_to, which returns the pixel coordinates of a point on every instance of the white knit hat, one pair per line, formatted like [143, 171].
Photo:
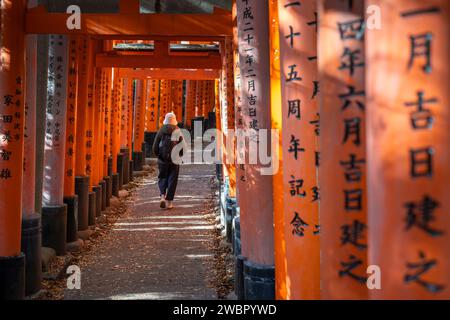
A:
[170, 119]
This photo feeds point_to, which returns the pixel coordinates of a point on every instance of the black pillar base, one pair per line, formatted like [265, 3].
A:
[115, 184]
[126, 167]
[229, 203]
[82, 191]
[236, 244]
[110, 166]
[239, 277]
[104, 192]
[138, 161]
[144, 152]
[98, 200]
[108, 182]
[54, 228]
[72, 218]
[31, 247]
[92, 208]
[259, 281]
[120, 169]
[12, 278]
[131, 170]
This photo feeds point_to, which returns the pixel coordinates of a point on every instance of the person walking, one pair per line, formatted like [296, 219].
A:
[168, 136]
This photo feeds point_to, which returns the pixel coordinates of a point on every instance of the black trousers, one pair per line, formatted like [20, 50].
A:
[168, 179]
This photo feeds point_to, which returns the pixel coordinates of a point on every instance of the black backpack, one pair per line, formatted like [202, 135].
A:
[165, 147]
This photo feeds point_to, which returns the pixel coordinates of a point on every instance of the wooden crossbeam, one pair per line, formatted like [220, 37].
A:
[132, 25]
[170, 74]
[213, 61]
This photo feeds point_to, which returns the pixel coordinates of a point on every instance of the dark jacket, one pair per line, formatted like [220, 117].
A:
[165, 129]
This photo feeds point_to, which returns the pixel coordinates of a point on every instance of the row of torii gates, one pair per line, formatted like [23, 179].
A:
[364, 194]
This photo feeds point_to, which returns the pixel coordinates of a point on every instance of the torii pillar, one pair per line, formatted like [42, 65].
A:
[408, 120]
[298, 67]
[12, 115]
[31, 220]
[81, 178]
[54, 210]
[151, 115]
[115, 131]
[130, 91]
[90, 124]
[191, 96]
[139, 123]
[124, 149]
[342, 170]
[107, 161]
[200, 98]
[164, 100]
[97, 173]
[177, 99]
[256, 213]
[70, 198]
[101, 98]
[228, 135]
[277, 121]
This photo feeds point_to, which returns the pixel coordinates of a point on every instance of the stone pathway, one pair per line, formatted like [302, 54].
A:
[152, 253]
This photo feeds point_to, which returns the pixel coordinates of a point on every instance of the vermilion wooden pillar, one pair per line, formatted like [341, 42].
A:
[216, 94]
[90, 133]
[342, 170]
[191, 95]
[124, 116]
[210, 97]
[299, 78]
[152, 106]
[164, 100]
[97, 172]
[31, 220]
[408, 119]
[107, 128]
[98, 117]
[139, 124]
[200, 98]
[130, 92]
[256, 216]
[54, 211]
[228, 116]
[90, 116]
[12, 110]
[177, 98]
[81, 177]
[70, 198]
[28, 195]
[277, 120]
[140, 115]
[72, 85]
[115, 121]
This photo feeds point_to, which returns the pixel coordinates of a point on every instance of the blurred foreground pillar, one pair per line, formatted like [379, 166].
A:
[12, 115]
[408, 149]
[342, 158]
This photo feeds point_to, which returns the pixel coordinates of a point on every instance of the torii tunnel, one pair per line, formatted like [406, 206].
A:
[351, 96]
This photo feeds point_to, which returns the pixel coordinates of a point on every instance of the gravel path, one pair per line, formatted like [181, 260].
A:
[152, 253]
